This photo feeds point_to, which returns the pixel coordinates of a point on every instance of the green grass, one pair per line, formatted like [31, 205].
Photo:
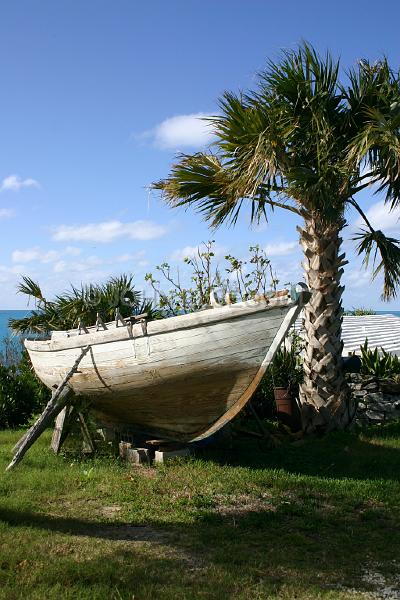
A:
[307, 521]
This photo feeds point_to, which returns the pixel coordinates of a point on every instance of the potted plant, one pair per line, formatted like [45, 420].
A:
[287, 374]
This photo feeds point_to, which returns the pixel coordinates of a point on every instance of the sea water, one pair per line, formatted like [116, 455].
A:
[5, 316]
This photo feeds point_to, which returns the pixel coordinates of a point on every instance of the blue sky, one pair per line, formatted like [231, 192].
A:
[97, 98]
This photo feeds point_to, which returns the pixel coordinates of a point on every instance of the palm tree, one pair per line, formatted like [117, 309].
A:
[305, 142]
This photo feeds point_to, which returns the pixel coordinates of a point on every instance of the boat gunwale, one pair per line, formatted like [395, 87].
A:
[115, 333]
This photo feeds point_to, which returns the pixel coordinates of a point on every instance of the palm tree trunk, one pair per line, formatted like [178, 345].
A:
[324, 396]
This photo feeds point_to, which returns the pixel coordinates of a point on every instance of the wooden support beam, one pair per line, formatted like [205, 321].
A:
[51, 411]
[60, 429]
[56, 403]
[63, 425]
[118, 318]
[87, 438]
[54, 395]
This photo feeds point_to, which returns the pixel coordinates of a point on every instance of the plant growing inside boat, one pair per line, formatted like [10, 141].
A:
[204, 276]
[81, 304]
[259, 280]
[241, 279]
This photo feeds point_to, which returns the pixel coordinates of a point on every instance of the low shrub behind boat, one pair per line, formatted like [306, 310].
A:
[22, 395]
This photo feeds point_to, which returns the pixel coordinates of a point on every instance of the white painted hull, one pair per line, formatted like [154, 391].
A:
[182, 379]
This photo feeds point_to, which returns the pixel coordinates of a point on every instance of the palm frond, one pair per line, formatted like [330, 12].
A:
[370, 243]
[302, 75]
[374, 127]
[33, 323]
[219, 191]
[83, 304]
[30, 288]
[302, 141]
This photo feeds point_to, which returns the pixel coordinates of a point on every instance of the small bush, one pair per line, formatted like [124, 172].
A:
[360, 312]
[11, 351]
[21, 394]
[379, 363]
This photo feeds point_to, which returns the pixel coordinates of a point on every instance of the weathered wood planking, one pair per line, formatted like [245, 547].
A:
[183, 378]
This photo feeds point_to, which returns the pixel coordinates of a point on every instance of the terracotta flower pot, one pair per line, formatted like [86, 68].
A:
[286, 408]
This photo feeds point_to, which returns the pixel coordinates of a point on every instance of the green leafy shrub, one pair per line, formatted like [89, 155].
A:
[284, 371]
[11, 350]
[380, 364]
[360, 312]
[21, 394]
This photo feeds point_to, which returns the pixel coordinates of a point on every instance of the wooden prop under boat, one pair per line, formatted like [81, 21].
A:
[180, 378]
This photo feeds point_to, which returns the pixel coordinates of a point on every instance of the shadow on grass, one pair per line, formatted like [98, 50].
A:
[71, 526]
[295, 544]
[308, 538]
[338, 455]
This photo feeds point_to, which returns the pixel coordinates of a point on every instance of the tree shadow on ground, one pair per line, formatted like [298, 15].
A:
[224, 553]
[338, 455]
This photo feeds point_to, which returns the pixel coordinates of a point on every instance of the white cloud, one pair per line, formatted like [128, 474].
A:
[85, 264]
[108, 231]
[33, 254]
[181, 131]
[60, 266]
[6, 213]
[72, 251]
[358, 278]
[89, 262]
[186, 252]
[37, 255]
[281, 248]
[7, 274]
[381, 218]
[15, 269]
[136, 257]
[192, 251]
[14, 183]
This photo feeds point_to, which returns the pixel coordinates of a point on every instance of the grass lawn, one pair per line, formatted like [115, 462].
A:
[319, 519]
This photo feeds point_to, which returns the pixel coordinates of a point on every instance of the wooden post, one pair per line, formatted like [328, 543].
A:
[63, 425]
[56, 403]
[87, 438]
[59, 432]
[52, 409]
[54, 395]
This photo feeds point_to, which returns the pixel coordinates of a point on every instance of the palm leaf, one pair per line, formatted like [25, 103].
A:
[82, 304]
[30, 288]
[370, 244]
[301, 141]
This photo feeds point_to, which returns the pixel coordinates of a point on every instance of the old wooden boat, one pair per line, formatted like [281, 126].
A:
[179, 378]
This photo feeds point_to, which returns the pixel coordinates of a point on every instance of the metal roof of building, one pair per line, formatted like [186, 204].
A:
[381, 331]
